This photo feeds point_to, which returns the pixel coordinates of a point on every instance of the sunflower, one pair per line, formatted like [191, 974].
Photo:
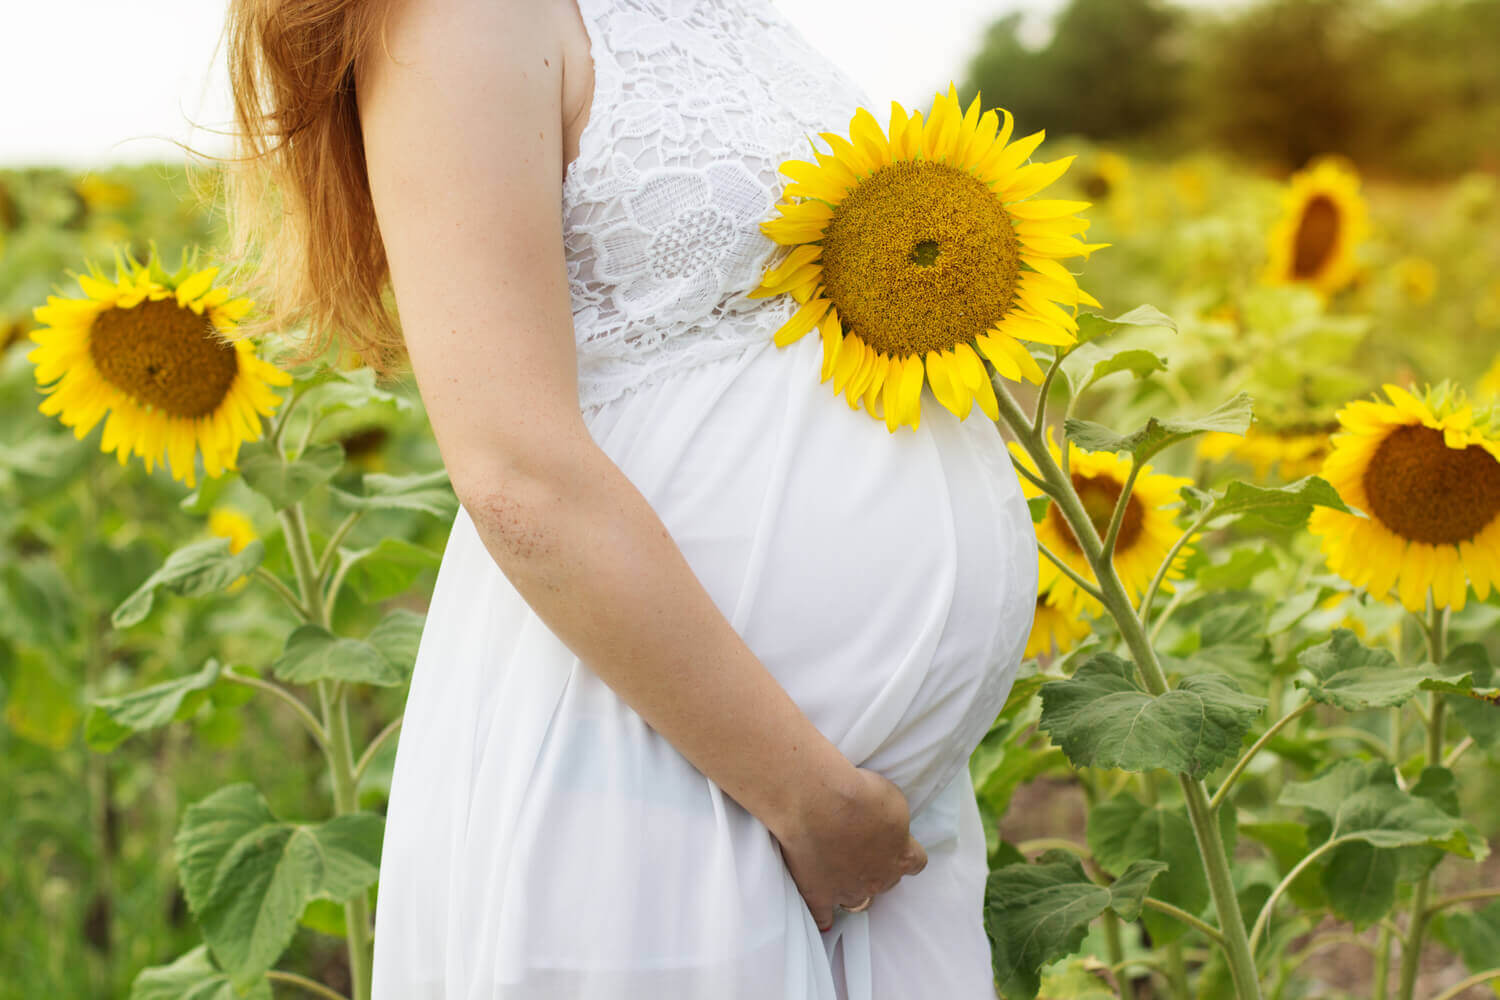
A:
[1290, 451]
[916, 253]
[1417, 278]
[226, 522]
[1058, 625]
[150, 349]
[1146, 532]
[1427, 472]
[1323, 220]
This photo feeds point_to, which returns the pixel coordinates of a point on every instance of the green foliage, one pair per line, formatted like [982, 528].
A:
[1101, 717]
[1036, 913]
[194, 977]
[1231, 417]
[194, 570]
[248, 875]
[112, 720]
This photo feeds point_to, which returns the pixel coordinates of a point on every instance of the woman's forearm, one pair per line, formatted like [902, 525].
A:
[591, 557]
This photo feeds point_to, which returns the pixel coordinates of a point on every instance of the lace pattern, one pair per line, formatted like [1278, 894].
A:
[696, 103]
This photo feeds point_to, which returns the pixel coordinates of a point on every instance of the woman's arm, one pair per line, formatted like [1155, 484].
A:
[462, 112]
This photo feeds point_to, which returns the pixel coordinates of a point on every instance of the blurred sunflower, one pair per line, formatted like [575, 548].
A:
[915, 252]
[1289, 452]
[226, 522]
[1107, 181]
[149, 349]
[1427, 472]
[1058, 625]
[1417, 278]
[1146, 534]
[1323, 220]
[1489, 382]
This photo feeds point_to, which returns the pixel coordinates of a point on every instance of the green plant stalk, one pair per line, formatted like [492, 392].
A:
[338, 753]
[1378, 990]
[1176, 967]
[1416, 927]
[1205, 828]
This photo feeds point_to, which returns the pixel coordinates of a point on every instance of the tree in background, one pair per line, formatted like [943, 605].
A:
[1110, 71]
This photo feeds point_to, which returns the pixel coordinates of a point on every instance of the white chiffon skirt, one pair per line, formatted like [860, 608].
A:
[542, 842]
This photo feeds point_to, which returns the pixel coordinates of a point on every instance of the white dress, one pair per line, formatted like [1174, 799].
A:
[542, 842]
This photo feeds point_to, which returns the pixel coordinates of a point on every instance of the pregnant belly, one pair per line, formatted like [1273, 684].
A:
[887, 581]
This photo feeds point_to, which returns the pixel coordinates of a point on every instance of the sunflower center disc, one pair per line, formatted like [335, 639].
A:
[1317, 231]
[1425, 491]
[1099, 495]
[919, 257]
[164, 355]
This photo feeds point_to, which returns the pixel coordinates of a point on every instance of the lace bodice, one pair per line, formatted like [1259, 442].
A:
[696, 104]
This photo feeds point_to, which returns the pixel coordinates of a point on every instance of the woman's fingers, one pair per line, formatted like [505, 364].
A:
[916, 855]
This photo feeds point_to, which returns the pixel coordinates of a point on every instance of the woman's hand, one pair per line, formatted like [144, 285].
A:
[846, 847]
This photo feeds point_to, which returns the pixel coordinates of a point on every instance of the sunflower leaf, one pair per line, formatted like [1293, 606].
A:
[193, 976]
[1037, 913]
[196, 569]
[281, 482]
[1124, 830]
[1092, 326]
[1038, 507]
[1088, 363]
[1474, 935]
[387, 569]
[396, 637]
[1380, 825]
[427, 493]
[1100, 717]
[313, 653]
[1232, 417]
[111, 720]
[247, 876]
[1286, 505]
[1468, 686]
[1353, 677]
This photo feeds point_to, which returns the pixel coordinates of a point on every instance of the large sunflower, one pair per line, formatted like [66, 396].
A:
[1323, 220]
[150, 350]
[1146, 533]
[1058, 625]
[1427, 472]
[916, 252]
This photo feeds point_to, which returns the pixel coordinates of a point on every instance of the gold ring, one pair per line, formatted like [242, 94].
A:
[861, 907]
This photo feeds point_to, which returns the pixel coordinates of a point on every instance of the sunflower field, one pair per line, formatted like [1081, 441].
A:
[1252, 749]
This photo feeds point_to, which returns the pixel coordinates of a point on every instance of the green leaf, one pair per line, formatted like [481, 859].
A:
[111, 720]
[1360, 880]
[42, 703]
[388, 569]
[1350, 675]
[1287, 842]
[1122, 831]
[313, 653]
[1088, 363]
[1242, 566]
[1101, 718]
[1468, 686]
[1232, 417]
[207, 495]
[1038, 507]
[352, 389]
[193, 977]
[427, 493]
[397, 637]
[1360, 799]
[1037, 913]
[1092, 326]
[1286, 505]
[248, 876]
[1475, 935]
[281, 482]
[196, 569]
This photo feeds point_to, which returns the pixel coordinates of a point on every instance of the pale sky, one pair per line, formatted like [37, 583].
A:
[104, 81]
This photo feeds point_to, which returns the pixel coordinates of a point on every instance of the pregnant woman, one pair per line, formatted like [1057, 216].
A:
[708, 650]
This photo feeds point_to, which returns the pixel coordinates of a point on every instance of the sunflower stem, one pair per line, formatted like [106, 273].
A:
[1166, 565]
[1078, 580]
[331, 549]
[1255, 748]
[1113, 596]
[334, 702]
[274, 582]
[1436, 630]
[1040, 420]
[1117, 518]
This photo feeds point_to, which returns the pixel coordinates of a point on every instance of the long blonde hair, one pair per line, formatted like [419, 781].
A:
[303, 235]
